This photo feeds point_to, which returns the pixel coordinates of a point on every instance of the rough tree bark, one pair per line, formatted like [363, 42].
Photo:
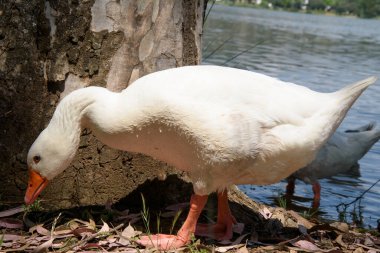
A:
[50, 48]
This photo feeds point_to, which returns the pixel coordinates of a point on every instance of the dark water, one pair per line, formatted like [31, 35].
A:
[323, 53]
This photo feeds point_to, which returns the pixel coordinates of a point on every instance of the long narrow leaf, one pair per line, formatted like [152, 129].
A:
[175, 219]
[12, 211]
[145, 215]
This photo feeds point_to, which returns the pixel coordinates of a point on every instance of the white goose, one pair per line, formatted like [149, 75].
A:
[222, 125]
[340, 154]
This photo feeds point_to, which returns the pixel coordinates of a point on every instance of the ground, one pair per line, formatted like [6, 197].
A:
[114, 228]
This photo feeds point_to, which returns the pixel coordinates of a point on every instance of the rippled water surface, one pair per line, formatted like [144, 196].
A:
[323, 53]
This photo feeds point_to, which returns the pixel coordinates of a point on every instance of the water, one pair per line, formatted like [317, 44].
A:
[323, 53]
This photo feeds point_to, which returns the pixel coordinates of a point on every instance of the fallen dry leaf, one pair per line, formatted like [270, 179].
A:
[324, 227]
[242, 249]
[359, 250]
[112, 238]
[129, 232]
[227, 248]
[10, 237]
[91, 224]
[57, 245]
[113, 244]
[105, 228]
[41, 230]
[131, 250]
[63, 232]
[42, 238]
[368, 242]
[103, 242]
[303, 244]
[265, 213]
[341, 226]
[91, 246]
[301, 220]
[11, 223]
[123, 241]
[19, 248]
[367, 247]
[6, 245]
[339, 240]
[44, 246]
[83, 232]
[73, 224]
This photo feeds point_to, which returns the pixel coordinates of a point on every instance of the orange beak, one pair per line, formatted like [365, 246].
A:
[35, 186]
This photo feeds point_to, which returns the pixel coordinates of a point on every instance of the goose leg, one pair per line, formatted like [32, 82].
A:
[166, 242]
[290, 186]
[317, 194]
[225, 216]
[222, 230]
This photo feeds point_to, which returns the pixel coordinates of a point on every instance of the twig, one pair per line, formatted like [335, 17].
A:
[207, 46]
[357, 198]
[216, 49]
[89, 238]
[53, 225]
[367, 247]
[209, 10]
[242, 52]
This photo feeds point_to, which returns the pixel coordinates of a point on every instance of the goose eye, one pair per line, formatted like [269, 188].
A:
[37, 159]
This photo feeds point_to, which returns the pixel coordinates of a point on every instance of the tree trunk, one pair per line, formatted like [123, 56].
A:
[50, 48]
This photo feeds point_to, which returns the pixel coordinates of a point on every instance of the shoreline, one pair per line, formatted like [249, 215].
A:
[311, 12]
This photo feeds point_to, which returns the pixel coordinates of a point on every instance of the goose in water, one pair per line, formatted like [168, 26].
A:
[340, 154]
[222, 126]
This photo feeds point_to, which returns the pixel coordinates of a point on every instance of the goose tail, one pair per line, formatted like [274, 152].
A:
[342, 100]
[351, 92]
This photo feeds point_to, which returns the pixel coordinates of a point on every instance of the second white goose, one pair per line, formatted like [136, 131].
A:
[340, 154]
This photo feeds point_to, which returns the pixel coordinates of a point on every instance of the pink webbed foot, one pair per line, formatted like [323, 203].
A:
[217, 231]
[223, 229]
[162, 241]
[166, 242]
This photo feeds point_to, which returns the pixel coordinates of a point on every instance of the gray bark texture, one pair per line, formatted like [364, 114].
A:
[50, 48]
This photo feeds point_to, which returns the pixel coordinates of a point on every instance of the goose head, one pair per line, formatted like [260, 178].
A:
[50, 154]
[364, 137]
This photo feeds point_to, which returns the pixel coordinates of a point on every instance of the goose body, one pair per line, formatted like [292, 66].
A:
[222, 125]
[340, 154]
